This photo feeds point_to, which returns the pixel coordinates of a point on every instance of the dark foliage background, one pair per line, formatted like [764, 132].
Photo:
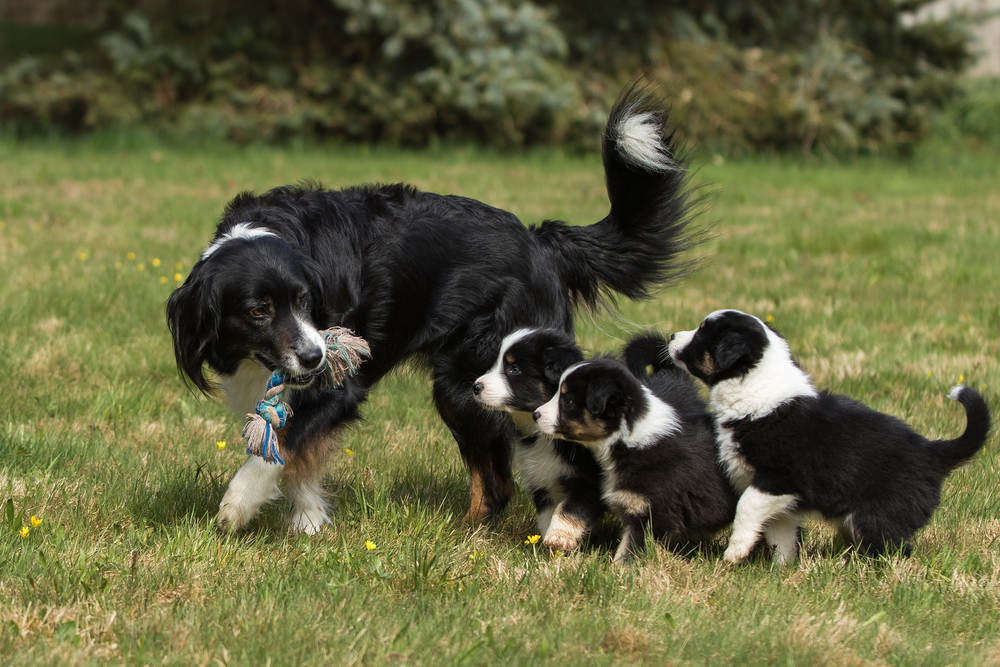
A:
[813, 75]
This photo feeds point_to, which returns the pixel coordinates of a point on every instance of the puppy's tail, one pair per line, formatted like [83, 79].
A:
[645, 351]
[954, 453]
[637, 247]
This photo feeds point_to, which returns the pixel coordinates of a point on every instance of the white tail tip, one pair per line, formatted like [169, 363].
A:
[955, 392]
[640, 141]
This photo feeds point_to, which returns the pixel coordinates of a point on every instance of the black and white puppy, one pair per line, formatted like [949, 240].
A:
[437, 279]
[793, 451]
[654, 441]
[562, 476]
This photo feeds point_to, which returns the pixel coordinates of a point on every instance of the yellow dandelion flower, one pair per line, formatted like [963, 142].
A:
[82, 256]
[140, 267]
[769, 318]
[118, 265]
[349, 452]
[24, 531]
[179, 266]
[178, 277]
[35, 521]
[370, 545]
[221, 444]
[163, 280]
[928, 373]
[475, 555]
[961, 379]
[130, 257]
[533, 539]
[156, 261]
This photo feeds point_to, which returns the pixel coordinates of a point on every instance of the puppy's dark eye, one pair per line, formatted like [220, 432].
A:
[258, 312]
[513, 370]
[567, 401]
[304, 299]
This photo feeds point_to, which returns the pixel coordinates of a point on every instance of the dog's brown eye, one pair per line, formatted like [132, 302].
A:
[258, 312]
[303, 298]
[513, 370]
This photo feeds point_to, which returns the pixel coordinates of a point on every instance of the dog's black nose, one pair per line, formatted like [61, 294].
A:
[535, 415]
[477, 388]
[310, 358]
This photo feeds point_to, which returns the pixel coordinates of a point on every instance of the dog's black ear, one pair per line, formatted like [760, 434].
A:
[603, 394]
[194, 313]
[557, 359]
[730, 349]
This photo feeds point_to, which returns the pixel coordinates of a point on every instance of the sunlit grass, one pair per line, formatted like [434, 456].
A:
[881, 276]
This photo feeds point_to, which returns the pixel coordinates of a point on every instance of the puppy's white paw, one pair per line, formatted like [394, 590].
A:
[564, 533]
[736, 551]
[560, 540]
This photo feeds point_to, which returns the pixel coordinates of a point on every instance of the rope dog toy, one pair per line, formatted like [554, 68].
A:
[344, 353]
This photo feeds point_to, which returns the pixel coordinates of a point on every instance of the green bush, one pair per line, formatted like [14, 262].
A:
[804, 75]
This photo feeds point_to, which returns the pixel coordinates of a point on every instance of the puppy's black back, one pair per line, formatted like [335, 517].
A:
[670, 384]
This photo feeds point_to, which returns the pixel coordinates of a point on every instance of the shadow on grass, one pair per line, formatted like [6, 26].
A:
[166, 497]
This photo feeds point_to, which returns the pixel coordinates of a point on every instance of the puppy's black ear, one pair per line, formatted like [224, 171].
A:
[604, 394]
[730, 349]
[557, 359]
[194, 313]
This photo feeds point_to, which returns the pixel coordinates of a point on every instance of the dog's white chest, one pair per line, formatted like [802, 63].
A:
[740, 472]
[245, 387]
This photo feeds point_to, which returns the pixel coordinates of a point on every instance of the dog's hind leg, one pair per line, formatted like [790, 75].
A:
[633, 540]
[484, 441]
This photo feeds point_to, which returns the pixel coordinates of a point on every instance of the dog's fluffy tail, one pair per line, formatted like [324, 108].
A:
[644, 351]
[954, 453]
[637, 247]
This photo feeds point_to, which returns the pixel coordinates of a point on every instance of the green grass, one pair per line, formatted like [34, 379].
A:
[883, 277]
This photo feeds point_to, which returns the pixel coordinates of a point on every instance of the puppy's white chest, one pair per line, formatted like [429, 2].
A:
[740, 472]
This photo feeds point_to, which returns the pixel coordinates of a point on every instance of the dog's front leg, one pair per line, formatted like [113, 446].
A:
[255, 484]
[579, 510]
[754, 510]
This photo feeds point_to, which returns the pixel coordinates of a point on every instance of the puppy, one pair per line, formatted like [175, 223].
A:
[792, 451]
[654, 441]
[436, 279]
[563, 477]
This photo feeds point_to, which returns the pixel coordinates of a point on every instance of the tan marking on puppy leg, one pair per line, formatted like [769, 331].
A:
[627, 503]
[565, 531]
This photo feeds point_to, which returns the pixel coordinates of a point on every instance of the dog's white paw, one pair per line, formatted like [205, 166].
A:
[310, 510]
[309, 520]
[253, 485]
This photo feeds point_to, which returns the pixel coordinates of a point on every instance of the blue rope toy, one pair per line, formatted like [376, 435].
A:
[344, 353]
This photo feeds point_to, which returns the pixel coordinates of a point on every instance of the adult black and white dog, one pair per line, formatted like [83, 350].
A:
[563, 477]
[441, 279]
[654, 440]
[793, 451]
